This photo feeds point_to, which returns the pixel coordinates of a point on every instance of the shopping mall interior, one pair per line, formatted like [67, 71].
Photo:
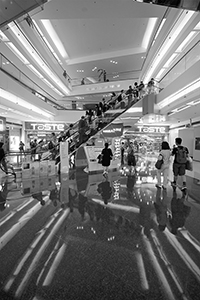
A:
[76, 77]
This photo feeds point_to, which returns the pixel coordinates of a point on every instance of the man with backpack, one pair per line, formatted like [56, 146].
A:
[180, 154]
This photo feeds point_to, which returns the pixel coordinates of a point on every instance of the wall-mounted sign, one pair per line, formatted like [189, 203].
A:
[45, 126]
[151, 129]
[145, 129]
[113, 130]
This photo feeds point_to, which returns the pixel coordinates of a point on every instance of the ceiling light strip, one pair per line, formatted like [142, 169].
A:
[16, 100]
[26, 44]
[182, 92]
[181, 23]
[55, 39]
[17, 53]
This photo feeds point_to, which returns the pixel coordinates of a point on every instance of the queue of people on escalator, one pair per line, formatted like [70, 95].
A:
[93, 120]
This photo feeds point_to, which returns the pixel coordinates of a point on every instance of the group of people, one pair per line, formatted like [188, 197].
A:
[181, 155]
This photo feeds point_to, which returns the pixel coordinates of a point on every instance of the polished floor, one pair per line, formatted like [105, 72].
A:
[88, 237]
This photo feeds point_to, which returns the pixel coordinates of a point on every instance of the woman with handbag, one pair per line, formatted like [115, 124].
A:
[163, 164]
[106, 156]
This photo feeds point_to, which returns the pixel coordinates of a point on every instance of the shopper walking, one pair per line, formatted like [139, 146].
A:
[181, 155]
[107, 156]
[2, 158]
[164, 155]
[131, 158]
[129, 93]
[21, 147]
[81, 129]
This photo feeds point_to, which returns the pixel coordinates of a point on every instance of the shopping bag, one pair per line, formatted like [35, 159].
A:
[189, 164]
[159, 162]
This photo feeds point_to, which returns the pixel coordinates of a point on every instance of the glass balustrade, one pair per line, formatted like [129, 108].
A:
[184, 64]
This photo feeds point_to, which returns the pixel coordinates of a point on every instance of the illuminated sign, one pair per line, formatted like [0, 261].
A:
[44, 126]
[113, 130]
[151, 129]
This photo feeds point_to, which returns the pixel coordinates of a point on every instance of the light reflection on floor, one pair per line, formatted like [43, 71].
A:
[81, 231]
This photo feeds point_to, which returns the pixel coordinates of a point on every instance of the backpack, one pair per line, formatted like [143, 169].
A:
[181, 156]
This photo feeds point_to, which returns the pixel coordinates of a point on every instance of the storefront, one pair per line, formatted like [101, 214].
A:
[15, 134]
[146, 139]
[42, 131]
[146, 142]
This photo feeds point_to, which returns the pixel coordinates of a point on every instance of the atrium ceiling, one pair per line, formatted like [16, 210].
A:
[82, 37]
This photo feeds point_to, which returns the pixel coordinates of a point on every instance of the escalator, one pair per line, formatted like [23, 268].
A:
[98, 124]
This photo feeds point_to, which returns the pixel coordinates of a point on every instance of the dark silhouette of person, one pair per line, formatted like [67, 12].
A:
[2, 158]
[122, 153]
[3, 195]
[105, 190]
[131, 180]
[72, 197]
[81, 129]
[107, 156]
[180, 212]
[38, 196]
[82, 200]
[161, 209]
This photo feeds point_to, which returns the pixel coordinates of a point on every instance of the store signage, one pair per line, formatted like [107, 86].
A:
[151, 129]
[45, 126]
[113, 130]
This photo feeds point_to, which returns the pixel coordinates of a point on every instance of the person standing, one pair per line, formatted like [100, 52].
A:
[21, 147]
[181, 155]
[129, 93]
[2, 158]
[131, 158]
[107, 156]
[136, 90]
[81, 129]
[164, 154]
[122, 153]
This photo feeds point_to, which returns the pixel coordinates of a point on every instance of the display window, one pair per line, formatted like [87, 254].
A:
[146, 144]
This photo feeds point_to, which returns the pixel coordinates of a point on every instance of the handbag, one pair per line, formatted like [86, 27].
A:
[189, 164]
[159, 162]
[100, 158]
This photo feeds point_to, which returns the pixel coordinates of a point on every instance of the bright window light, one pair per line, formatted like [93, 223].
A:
[183, 20]
[188, 39]
[182, 92]
[55, 39]
[168, 63]
[148, 33]
[16, 100]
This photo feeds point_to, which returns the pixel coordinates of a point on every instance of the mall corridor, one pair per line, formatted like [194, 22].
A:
[86, 237]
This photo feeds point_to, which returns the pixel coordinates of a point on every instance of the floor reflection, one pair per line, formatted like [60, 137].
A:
[83, 236]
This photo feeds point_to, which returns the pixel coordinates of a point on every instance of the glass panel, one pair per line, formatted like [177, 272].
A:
[185, 63]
